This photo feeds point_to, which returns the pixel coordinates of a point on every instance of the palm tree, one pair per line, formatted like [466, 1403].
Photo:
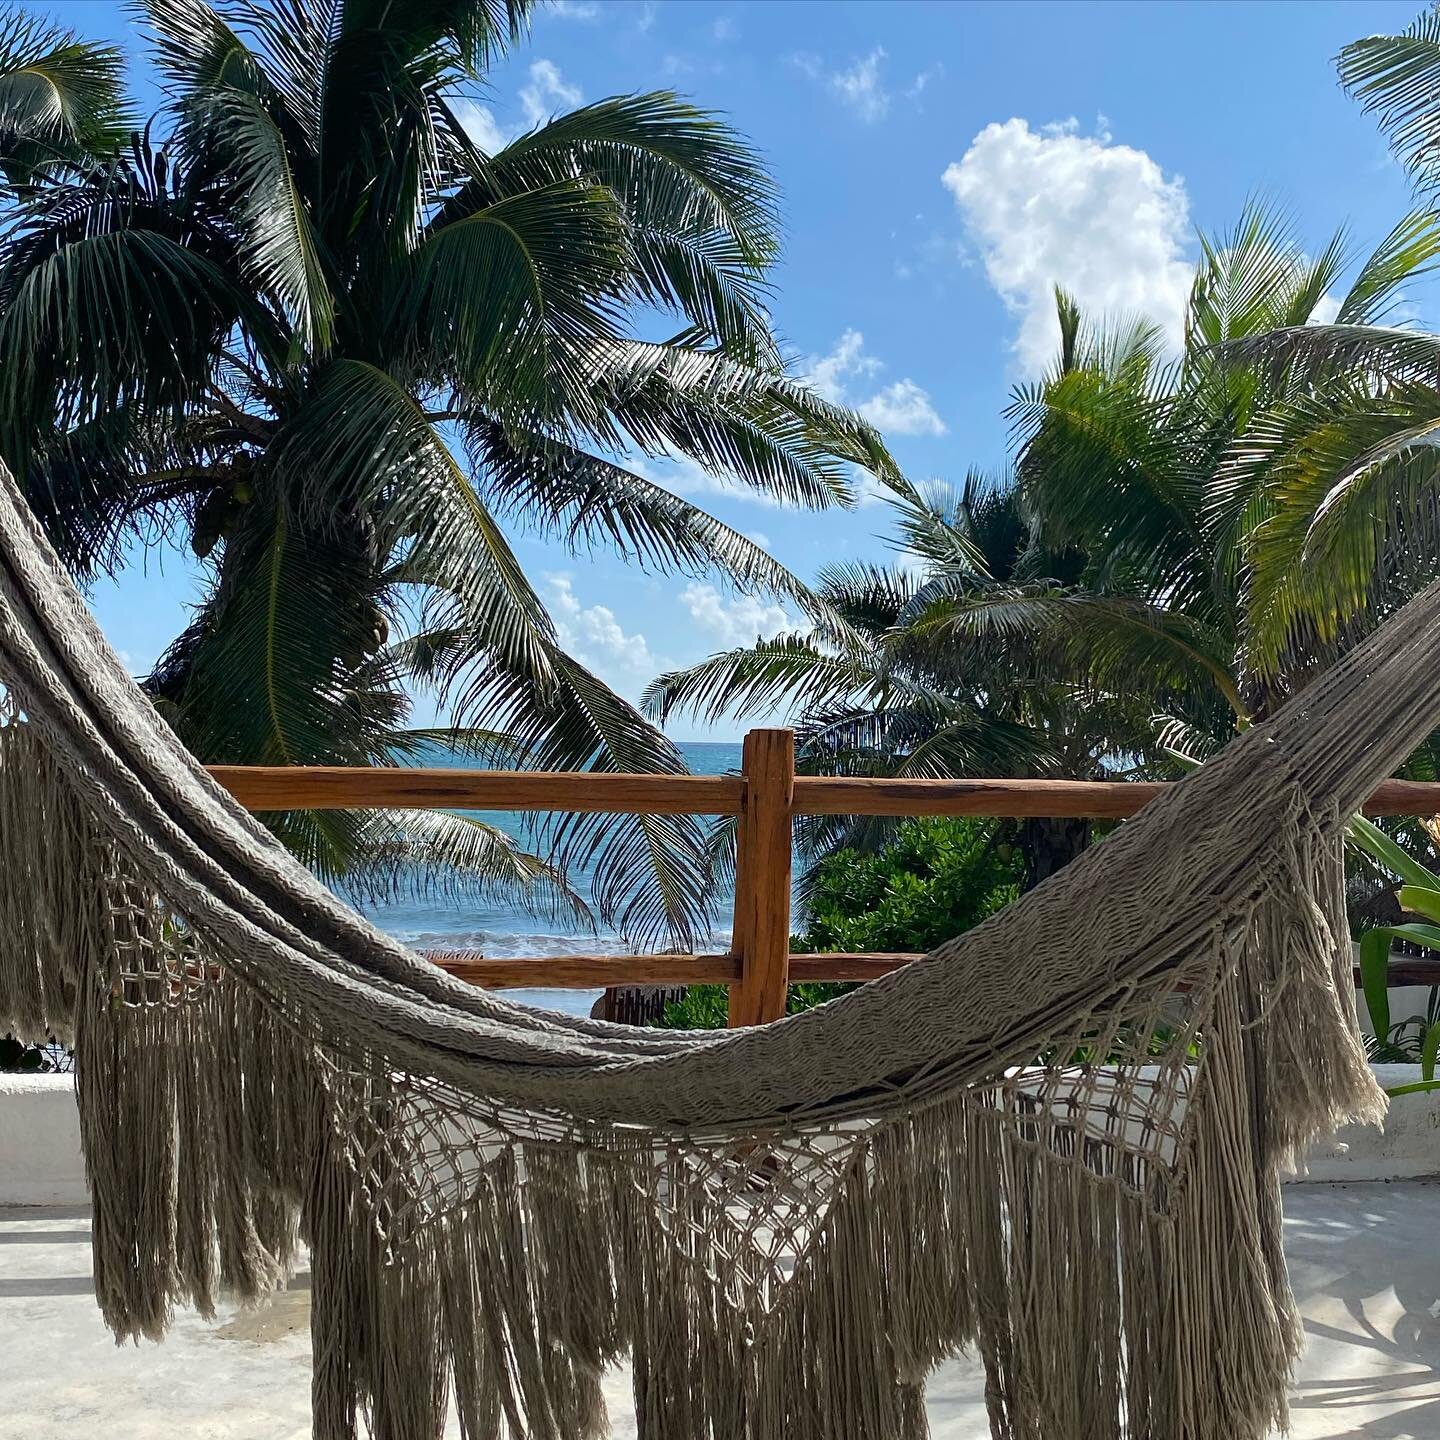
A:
[322, 335]
[1105, 607]
[62, 99]
[888, 684]
[1158, 471]
[1342, 472]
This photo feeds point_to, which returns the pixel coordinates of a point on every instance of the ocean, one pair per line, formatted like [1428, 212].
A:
[451, 923]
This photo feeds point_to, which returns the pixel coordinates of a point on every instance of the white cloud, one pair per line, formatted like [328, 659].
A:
[481, 125]
[758, 537]
[831, 374]
[1327, 307]
[901, 408]
[1052, 207]
[862, 88]
[573, 10]
[922, 80]
[687, 477]
[740, 620]
[724, 29]
[593, 635]
[547, 92]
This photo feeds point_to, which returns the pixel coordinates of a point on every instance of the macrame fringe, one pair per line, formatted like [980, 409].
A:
[1109, 1298]
[194, 1126]
[51, 915]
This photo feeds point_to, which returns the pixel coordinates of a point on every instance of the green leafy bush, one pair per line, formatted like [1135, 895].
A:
[937, 878]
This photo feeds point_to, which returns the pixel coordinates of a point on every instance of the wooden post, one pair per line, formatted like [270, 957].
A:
[762, 878]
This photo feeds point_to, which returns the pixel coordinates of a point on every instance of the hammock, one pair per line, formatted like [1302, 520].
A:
[1056, 1140]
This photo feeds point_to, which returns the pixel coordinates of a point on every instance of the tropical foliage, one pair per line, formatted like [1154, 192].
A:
[885, 686]
[305, 323]
[936, 879]
[1127, 592]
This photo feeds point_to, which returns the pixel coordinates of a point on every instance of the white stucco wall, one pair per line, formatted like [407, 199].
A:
[40, 1162]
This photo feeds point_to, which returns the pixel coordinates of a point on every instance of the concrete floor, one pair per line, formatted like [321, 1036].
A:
[1363, 1258]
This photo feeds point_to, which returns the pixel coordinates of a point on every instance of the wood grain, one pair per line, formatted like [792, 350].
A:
[338, 787]
[761, 936]
[321, 787]
[595, 972]
[586, 972]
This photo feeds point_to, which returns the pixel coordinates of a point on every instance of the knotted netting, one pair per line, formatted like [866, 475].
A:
[1055, 1141]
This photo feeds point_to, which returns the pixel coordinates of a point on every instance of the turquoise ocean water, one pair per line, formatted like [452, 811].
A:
[457, 923]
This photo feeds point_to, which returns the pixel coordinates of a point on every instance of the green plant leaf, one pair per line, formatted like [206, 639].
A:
[1429, 1049]
[1421, 900]
[1375, 977]
[1369, 837]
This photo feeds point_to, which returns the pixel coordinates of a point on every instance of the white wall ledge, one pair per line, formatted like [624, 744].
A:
[40, 1161]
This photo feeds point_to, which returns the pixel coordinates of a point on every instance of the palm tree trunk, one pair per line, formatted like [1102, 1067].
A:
[1049, 844]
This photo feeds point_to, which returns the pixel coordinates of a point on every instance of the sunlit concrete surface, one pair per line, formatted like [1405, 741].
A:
[1364, 1259]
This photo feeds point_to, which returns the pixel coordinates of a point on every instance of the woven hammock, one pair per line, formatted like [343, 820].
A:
[1056, 1140]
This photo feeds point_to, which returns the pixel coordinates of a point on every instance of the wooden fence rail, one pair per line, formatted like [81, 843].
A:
[765, 797]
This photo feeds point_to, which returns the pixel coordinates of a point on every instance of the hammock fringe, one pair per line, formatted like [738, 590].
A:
[1113, 1290]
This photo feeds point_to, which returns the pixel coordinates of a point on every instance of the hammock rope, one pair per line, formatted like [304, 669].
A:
[1057, 1140]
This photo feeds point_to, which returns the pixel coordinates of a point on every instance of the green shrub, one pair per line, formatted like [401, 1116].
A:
[936, 879]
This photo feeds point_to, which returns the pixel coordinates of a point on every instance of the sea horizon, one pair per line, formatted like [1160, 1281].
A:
[450, 922]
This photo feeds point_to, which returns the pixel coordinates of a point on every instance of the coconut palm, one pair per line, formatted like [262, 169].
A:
[1159, 471]
[1102, 607]
[318, 332]
[62, 99]
[1343, 470]
[888, 685]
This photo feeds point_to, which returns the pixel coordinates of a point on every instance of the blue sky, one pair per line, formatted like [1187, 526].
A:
[942, 167]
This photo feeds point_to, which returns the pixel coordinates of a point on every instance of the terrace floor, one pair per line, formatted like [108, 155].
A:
[1364, 1259]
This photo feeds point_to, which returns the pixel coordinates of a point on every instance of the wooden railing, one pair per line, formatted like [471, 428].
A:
[764, 797]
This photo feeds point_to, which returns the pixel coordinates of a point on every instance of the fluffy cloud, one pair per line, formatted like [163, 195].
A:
[862, 88]
[739, 620]
[593, 635]
[481, 125]
[547, 92]
[1052, 207]
[842, 376]
[573, 9]
[902, 409]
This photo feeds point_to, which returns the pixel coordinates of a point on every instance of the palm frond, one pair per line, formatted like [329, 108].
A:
[587, 500]
[62, 99]
[740, 422]
[1397, 77]
[279, 249]
[1407, 252]
[435, 854]
[269, 673]
[700, 207]
[513, 298]
[790, 671]
[363, 442]
[651, 873]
